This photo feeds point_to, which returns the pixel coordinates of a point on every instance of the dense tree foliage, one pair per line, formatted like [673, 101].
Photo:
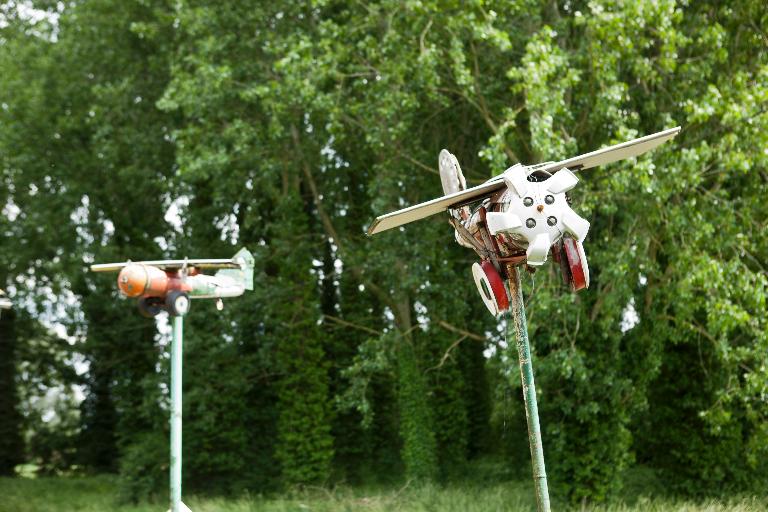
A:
[146, 128]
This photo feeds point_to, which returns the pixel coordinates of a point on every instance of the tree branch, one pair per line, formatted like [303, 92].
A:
[330, 229]
[351, 324]
[458, 330]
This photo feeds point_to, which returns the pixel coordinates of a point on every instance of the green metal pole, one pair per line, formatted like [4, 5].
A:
[517, 325]
[176, 350]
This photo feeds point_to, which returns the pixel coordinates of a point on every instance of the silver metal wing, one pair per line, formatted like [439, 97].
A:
[614, 153]
[420, 211]
[170, 264]
[600, 157]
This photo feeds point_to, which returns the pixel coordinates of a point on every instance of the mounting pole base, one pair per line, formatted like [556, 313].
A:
[517, 326]
[182, 508]
[176, 390]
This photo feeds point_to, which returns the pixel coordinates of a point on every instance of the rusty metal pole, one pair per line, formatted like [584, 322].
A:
[517, 325]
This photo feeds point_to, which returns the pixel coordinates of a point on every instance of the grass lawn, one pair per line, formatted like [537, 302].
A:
[97, 494]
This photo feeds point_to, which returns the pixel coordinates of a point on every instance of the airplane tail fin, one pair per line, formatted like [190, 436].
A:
[245, 273]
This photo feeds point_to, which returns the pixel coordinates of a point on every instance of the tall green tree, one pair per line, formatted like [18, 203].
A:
[89, 155]
[257, 165]
[286, 128]
[25, 260]
[10, 425]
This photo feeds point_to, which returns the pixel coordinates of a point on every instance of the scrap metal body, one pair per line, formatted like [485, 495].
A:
[524, 220]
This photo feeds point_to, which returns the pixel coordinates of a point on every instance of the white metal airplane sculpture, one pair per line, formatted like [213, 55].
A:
[522, 215]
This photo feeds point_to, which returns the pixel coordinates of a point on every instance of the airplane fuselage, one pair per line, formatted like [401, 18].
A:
[138, 280]
[519, 224]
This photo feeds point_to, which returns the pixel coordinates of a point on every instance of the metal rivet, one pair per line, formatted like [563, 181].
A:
[530, 223]
[528, 201]
[551, 221]
[549, 199]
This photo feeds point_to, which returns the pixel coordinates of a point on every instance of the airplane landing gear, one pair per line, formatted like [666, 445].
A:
[150, 307]
[491, 287]
[573, 263]
[177, 303]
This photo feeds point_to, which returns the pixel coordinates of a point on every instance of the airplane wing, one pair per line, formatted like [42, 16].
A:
[613, 153]
[601, 156]
[420, 211]
[170, 264]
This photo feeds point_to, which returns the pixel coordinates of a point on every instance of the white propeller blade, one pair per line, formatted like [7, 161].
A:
[538, 250]
[576, 225]
[502, 222]
[562, 181]
[517, 180]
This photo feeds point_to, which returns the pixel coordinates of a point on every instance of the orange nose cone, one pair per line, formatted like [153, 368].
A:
[132, 280]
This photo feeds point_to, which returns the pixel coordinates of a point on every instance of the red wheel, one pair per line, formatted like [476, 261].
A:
[491, 287]
[574, 260]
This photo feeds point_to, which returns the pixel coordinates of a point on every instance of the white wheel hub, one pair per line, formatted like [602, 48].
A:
[538, 212]
[181, 304]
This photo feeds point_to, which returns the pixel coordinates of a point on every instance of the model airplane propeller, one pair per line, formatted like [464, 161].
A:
[170, 284]
[523, 215]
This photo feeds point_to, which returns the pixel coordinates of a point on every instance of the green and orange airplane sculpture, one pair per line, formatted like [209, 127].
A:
[168, 285]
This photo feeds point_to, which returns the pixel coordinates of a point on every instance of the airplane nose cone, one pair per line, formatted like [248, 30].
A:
[132, 280]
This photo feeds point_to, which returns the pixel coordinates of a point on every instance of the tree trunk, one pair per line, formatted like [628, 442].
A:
[11, 452]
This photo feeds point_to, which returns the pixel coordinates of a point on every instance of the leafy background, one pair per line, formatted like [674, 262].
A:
[148, 128]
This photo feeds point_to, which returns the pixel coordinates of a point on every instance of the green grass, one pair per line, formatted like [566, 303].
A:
[97, 494]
